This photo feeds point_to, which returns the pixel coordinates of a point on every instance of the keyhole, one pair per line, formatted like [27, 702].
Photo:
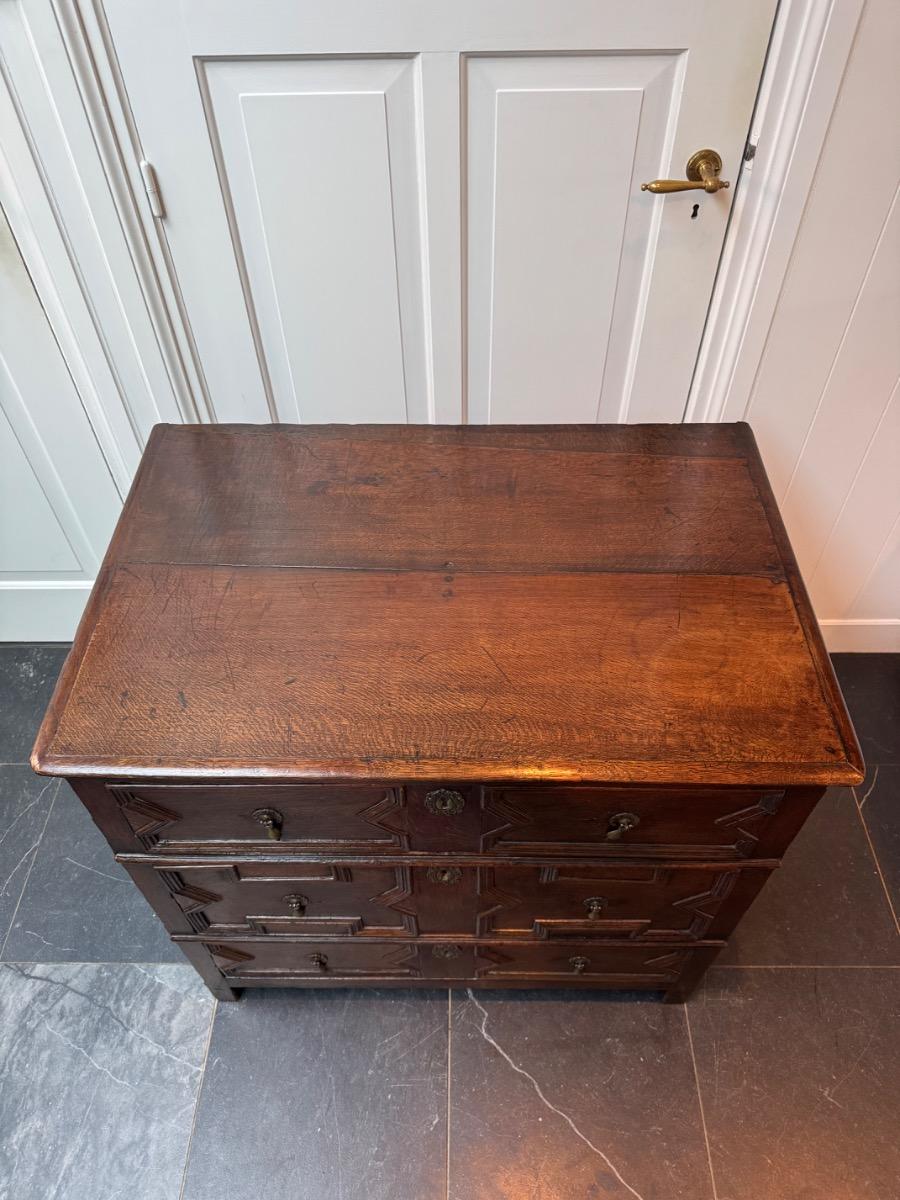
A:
[694, 212]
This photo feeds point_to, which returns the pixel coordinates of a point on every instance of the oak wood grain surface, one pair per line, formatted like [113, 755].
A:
[622, 606]
[434, 499]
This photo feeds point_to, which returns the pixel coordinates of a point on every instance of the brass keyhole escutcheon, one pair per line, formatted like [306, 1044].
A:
[296, 903]
[271, 819]
[619, 825]
[595, 906]
[319, 961]
[578, 964]
[445, 802]
[444, 874]
[445, 951]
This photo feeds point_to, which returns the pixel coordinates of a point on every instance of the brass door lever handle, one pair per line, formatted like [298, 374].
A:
[702, 173]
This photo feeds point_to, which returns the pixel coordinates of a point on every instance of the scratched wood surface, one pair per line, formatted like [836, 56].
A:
[574, 603]
[573, 499]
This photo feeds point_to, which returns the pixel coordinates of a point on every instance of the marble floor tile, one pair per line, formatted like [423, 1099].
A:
[28, 674]
[871, 687]
[556, 1095]
[879, 803]
[99, 1072]
[24, 804]
[79, 905]
[825, 905]
[326, 1095]
[798, 1072]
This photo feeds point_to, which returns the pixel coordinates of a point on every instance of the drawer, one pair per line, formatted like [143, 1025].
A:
[300, 818]
[314, 899]
[535, 821]
[613, 900]
[270, 817]
[278, 961]
[581, 962]
[627, 822]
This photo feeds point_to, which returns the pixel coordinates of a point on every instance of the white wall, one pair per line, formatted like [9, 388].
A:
[825, 402]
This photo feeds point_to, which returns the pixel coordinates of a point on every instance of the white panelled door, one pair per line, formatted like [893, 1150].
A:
[420, 210]
[58, 501]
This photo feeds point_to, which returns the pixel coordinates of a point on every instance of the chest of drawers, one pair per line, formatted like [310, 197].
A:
[425, 706]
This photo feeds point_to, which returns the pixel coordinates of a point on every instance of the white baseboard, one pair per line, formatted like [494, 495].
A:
[40, 610]
[861, 636]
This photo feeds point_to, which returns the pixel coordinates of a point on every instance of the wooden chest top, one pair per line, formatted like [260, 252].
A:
[558, 603]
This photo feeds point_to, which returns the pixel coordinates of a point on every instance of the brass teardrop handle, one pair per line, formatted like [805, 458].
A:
[296, 903]
[595, 906]
[319, 961]
[702, 172]
[272, 819]
[445, 802]
[578, 964]
[620, 824]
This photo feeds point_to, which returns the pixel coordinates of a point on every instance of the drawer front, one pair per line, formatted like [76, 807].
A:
[274, 818]
[313, 900]
[611, 900]
[278, 961]
[448, 819]
[303, 818]
[316, 900]
[640, 966]
[626, 822]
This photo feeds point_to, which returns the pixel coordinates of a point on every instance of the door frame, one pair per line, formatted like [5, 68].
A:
[808, 53]
[66, 43]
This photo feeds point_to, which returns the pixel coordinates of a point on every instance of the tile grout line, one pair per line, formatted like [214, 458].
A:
[190, 1142]
[449, 1064]
[869, 790]
[862, 819]
[690, 1037]
[36, 851]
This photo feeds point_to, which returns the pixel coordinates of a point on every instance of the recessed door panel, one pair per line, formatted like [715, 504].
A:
[558, 247]
[318, 167]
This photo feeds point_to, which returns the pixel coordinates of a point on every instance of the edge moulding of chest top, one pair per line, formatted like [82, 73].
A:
[327, 649]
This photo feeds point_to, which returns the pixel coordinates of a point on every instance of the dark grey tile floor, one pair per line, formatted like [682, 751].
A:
[119, 1076]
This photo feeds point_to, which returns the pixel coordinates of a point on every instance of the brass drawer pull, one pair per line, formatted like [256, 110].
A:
[319, 961]
[578, 964]
[296, 903]
[444, 802]
[595, 906]
[620, 824]
[272, 819]
[445, 951]
[444, 874]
